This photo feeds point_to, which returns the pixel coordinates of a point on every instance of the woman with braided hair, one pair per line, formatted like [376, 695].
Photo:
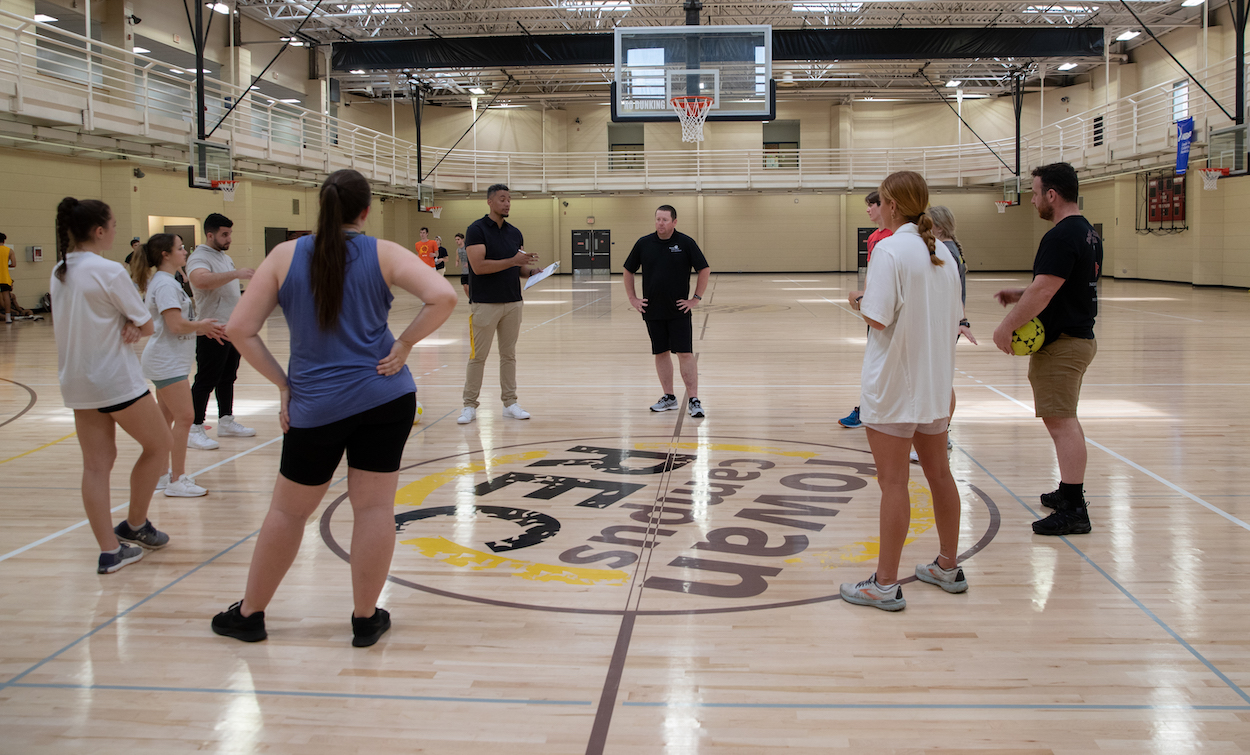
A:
[911, 303]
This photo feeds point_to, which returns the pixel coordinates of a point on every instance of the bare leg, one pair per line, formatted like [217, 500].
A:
[466, 291]
[279, 540]
[689, 373]
[143, 421]
[96, 437]
[1070, 449]
[890, 455]
[179, 411]
[373, 535]
[937, 471]
[664, 371]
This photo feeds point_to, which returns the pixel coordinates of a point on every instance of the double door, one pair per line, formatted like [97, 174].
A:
[592, 250]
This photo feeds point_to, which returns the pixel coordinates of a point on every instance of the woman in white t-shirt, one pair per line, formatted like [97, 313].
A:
[97, 314]
[170, 352]
[911, 303]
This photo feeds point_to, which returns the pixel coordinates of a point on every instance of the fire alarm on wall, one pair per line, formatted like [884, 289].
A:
[590, 220]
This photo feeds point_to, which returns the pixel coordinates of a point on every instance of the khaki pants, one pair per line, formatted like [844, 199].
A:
[485, 320]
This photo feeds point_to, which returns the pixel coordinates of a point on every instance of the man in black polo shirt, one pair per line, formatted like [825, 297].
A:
[497, 262]
[666, 258]
[1064, 296]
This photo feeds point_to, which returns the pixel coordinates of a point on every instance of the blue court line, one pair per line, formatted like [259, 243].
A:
[938, 706]
[113, 620]
[286, 693]
[1231, 685]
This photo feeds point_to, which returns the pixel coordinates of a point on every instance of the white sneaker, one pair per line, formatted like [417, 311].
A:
[516, 412]
[915, 458]
[466, 416]
[199, 440]
[228, 428]
[164, 481]
[184, 487]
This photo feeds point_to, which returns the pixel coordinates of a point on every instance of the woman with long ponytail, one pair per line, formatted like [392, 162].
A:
[96, 315]
[346, 390]
[170, 352]
[911, 303]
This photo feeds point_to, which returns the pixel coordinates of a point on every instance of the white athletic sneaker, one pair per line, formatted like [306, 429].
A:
[516, 412]
[467, 415]
[184, 487]
[164, 481]
[950, 580]
[198, 439]
[915, 458]
[228, 428]
[869, 593]
[667, 402]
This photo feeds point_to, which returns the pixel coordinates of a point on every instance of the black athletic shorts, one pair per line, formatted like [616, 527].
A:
[464, 279]
[675, 335]
[5, 287]
[122, 405]
[373, 439]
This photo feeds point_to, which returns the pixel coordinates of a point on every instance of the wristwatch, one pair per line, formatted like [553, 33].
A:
[700, 298]
[965, 323]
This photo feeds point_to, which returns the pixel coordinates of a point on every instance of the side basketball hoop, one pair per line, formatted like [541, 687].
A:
[1003, 204]
[1211, 177]
[692, 111]
[226, 188]
[438, 212]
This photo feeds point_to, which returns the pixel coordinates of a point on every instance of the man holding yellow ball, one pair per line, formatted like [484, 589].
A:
[1064, 297]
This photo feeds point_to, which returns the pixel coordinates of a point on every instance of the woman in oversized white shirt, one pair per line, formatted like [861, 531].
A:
[911, 302]
[97, 314]
[170, 352]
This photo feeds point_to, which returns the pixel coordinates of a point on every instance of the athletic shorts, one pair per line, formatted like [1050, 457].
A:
[122, 405]
[373, 439]
[909, 429]
[675, 335]
[5, 288]
[464, 279]
[1056, 372]
[166, 383]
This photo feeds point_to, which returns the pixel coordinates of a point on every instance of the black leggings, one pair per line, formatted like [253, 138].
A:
[216, 367]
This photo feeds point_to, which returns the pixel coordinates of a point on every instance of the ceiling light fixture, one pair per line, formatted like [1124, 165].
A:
[1067, 66]
[1126, 36]
[953, 83]
[1192, 3]
[221, 8]
[477, 90]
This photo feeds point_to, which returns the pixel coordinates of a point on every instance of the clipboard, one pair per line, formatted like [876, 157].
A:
[546, 273]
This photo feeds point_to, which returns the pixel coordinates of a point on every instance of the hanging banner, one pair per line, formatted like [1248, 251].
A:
[1184, 134]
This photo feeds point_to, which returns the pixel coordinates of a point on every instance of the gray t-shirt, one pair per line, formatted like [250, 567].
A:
[167, 355]
[462, 259]
[218, 303]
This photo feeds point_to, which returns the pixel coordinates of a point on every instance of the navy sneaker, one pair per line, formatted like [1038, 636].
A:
[851, 420]
[111, 562]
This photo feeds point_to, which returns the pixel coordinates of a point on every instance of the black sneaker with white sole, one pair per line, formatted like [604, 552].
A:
[695, 408]
[126, 555]
[147, 536]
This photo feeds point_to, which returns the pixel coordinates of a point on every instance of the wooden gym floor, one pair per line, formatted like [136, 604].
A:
[536, 612]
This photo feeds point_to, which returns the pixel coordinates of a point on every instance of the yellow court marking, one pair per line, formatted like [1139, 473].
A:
[454, 554]
[922, 520]
[40, 448]
[737, 448]
[415, 493]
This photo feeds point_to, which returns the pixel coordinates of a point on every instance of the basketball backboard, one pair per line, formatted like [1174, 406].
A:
[425, 197]
[1226, 148]
[731, 64]
[209, 161]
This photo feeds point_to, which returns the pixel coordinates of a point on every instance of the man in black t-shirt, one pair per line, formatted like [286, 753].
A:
[1064, 296]
[666, 258]
[497, 261]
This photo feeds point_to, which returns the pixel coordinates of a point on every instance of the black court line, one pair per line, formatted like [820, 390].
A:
[620, 651]
[33, 398]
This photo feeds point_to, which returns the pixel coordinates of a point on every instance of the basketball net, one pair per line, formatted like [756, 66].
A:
[227, 189]
[1211, 177]
[438, 212]
[692, 111]
[1003, 204]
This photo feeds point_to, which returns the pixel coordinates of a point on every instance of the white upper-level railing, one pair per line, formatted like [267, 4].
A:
[44, 75]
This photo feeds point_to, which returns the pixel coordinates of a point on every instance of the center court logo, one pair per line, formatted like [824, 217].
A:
[594, 525]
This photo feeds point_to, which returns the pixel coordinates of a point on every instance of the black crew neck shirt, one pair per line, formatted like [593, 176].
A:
[1072, 251]
[502, 243]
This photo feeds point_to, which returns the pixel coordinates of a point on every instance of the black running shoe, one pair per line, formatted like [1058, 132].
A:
[1053, 499]
[146, 537]
[232, 623]
[1070, 520]
[366, 632]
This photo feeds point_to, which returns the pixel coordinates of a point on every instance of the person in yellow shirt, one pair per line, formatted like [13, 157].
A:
[6, 278]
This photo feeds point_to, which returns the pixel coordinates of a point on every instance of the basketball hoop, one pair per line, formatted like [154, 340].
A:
[438, 212]
[1003, 204]
[692, 111]
[226, 188]
[1211, 177]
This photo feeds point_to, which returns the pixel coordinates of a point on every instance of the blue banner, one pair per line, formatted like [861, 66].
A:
[1184, 134]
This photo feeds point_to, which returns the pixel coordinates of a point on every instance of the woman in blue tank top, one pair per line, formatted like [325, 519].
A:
[346, 390]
